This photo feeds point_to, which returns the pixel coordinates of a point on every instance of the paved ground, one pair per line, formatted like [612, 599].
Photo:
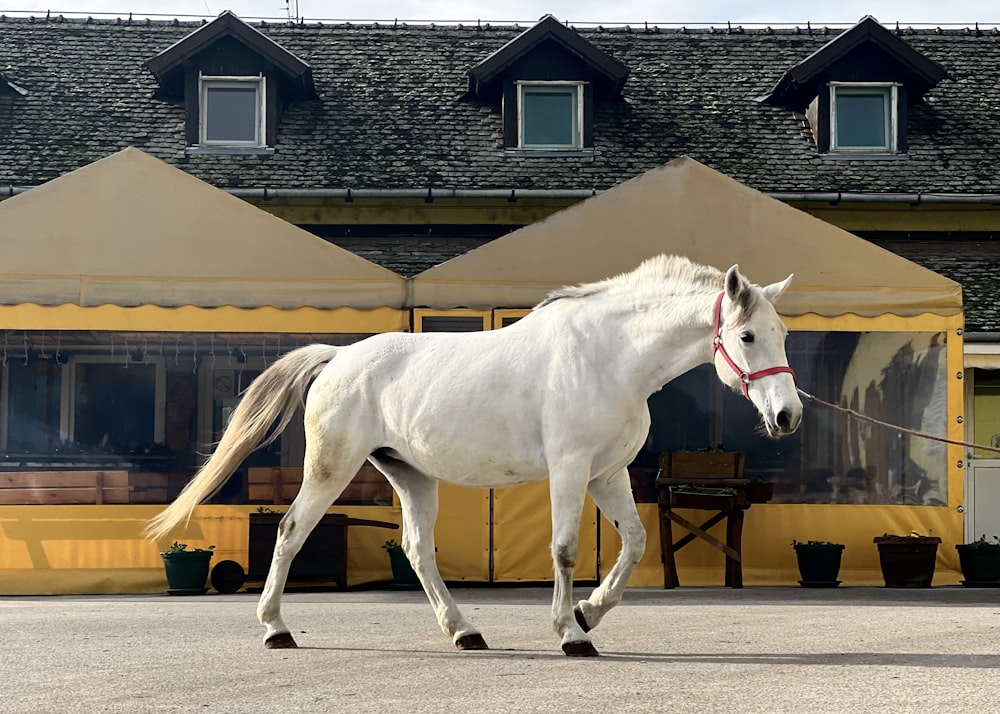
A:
[691, 650]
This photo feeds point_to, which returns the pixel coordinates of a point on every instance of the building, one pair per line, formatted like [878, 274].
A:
[410, 145]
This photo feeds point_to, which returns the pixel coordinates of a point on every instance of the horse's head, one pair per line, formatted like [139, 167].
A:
[749, 351]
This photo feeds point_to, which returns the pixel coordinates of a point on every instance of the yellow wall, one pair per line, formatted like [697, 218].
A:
[522, 535]
[53, 550]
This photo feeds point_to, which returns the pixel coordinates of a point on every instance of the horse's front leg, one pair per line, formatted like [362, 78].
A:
[614, 498]
[567, 493]
[418, 495]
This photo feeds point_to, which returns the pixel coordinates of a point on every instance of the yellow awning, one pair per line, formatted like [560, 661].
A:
[132, 230]
[687, 208]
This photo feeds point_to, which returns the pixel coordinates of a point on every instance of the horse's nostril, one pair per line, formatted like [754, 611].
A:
[784, 420]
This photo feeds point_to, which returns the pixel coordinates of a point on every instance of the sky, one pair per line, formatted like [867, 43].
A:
[663, 12]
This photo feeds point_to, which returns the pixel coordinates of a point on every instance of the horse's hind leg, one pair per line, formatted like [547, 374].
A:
[614, 497]
[321, 484]
[418, 495]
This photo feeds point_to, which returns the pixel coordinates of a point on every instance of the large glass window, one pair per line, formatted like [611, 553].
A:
[127, 417]
[863, 118]
[232, 111]
[550, 115]
[898, 378]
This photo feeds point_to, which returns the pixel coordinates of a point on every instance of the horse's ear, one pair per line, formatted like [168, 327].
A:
[773, 291]
[735, 283]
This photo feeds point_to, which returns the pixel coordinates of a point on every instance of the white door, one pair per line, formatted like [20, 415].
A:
[982, 499]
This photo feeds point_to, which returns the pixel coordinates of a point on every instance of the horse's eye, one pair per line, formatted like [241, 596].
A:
[747, 337]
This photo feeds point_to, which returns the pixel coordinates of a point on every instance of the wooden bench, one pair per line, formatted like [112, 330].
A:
[280, 484]
[37, 488]
[713, 470]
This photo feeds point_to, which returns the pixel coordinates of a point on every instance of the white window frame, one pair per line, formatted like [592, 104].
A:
[526, 87]
[207, 82]
[892, 118]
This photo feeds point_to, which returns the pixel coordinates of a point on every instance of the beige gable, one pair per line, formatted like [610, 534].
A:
[687, 208]
[132, 230]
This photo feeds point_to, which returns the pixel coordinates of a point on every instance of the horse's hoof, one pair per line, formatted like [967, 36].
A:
[580, 649]
[473, 641]
[580, 619]
[280, 641]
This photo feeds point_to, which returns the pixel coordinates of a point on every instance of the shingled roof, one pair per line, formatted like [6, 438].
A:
[392, 113]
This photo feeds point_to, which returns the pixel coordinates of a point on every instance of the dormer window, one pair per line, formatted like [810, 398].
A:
[857, 90]
[232, 111]
[547, 81]
[234, 83]
[863, 117]
[551, 115]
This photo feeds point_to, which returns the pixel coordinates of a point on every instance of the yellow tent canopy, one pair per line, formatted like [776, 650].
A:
[689, 209]
[132, 230]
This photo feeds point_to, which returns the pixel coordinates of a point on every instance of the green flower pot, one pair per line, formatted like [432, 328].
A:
[187, 571]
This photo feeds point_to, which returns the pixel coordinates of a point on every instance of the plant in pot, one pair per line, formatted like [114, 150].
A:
[907, 561]
[980, 561]
[819, 563]
[403, 575]
[187, 570]
[703, 497]
[760, 491]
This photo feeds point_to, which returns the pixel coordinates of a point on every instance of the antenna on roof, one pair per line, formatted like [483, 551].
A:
[292, 14]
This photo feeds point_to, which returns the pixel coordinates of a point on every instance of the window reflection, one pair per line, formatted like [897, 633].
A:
[898, 378]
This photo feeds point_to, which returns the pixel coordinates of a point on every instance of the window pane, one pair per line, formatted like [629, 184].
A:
[115, 408]
[862, 119]
[898, 378]
[33, 406]
[231, 114]
[549, 117]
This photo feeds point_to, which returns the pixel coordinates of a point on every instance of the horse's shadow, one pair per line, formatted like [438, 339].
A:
[840, 659]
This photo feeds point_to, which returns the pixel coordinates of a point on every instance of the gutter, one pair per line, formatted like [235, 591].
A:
[981, 338]
[912, 199]
[349, 194]
[513, 194]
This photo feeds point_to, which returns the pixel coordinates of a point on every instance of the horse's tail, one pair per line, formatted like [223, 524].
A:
[269, 401]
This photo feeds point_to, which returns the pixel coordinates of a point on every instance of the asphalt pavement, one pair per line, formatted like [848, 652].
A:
[684, 651]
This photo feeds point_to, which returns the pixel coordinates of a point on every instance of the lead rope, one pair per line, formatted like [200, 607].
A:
[862, 417]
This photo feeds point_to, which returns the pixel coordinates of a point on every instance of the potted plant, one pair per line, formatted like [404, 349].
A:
[707, 498]
[907, 561]
[187, 570]
[760, 491]
[980, 561]
[819, 563]
[403, 575]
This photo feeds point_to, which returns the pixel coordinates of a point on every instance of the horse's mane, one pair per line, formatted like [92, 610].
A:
[687, 275]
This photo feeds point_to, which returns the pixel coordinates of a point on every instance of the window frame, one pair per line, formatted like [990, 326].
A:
[209, 82]
[890, 90]
[578, 90]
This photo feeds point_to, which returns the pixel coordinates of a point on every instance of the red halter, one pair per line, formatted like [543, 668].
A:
[745, 378]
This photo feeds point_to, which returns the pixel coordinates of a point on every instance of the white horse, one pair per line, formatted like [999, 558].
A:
[561, 394]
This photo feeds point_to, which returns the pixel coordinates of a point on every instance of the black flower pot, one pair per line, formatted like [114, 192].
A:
[403, 575]
[819, 564]
[907, 561]
[980, 565]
